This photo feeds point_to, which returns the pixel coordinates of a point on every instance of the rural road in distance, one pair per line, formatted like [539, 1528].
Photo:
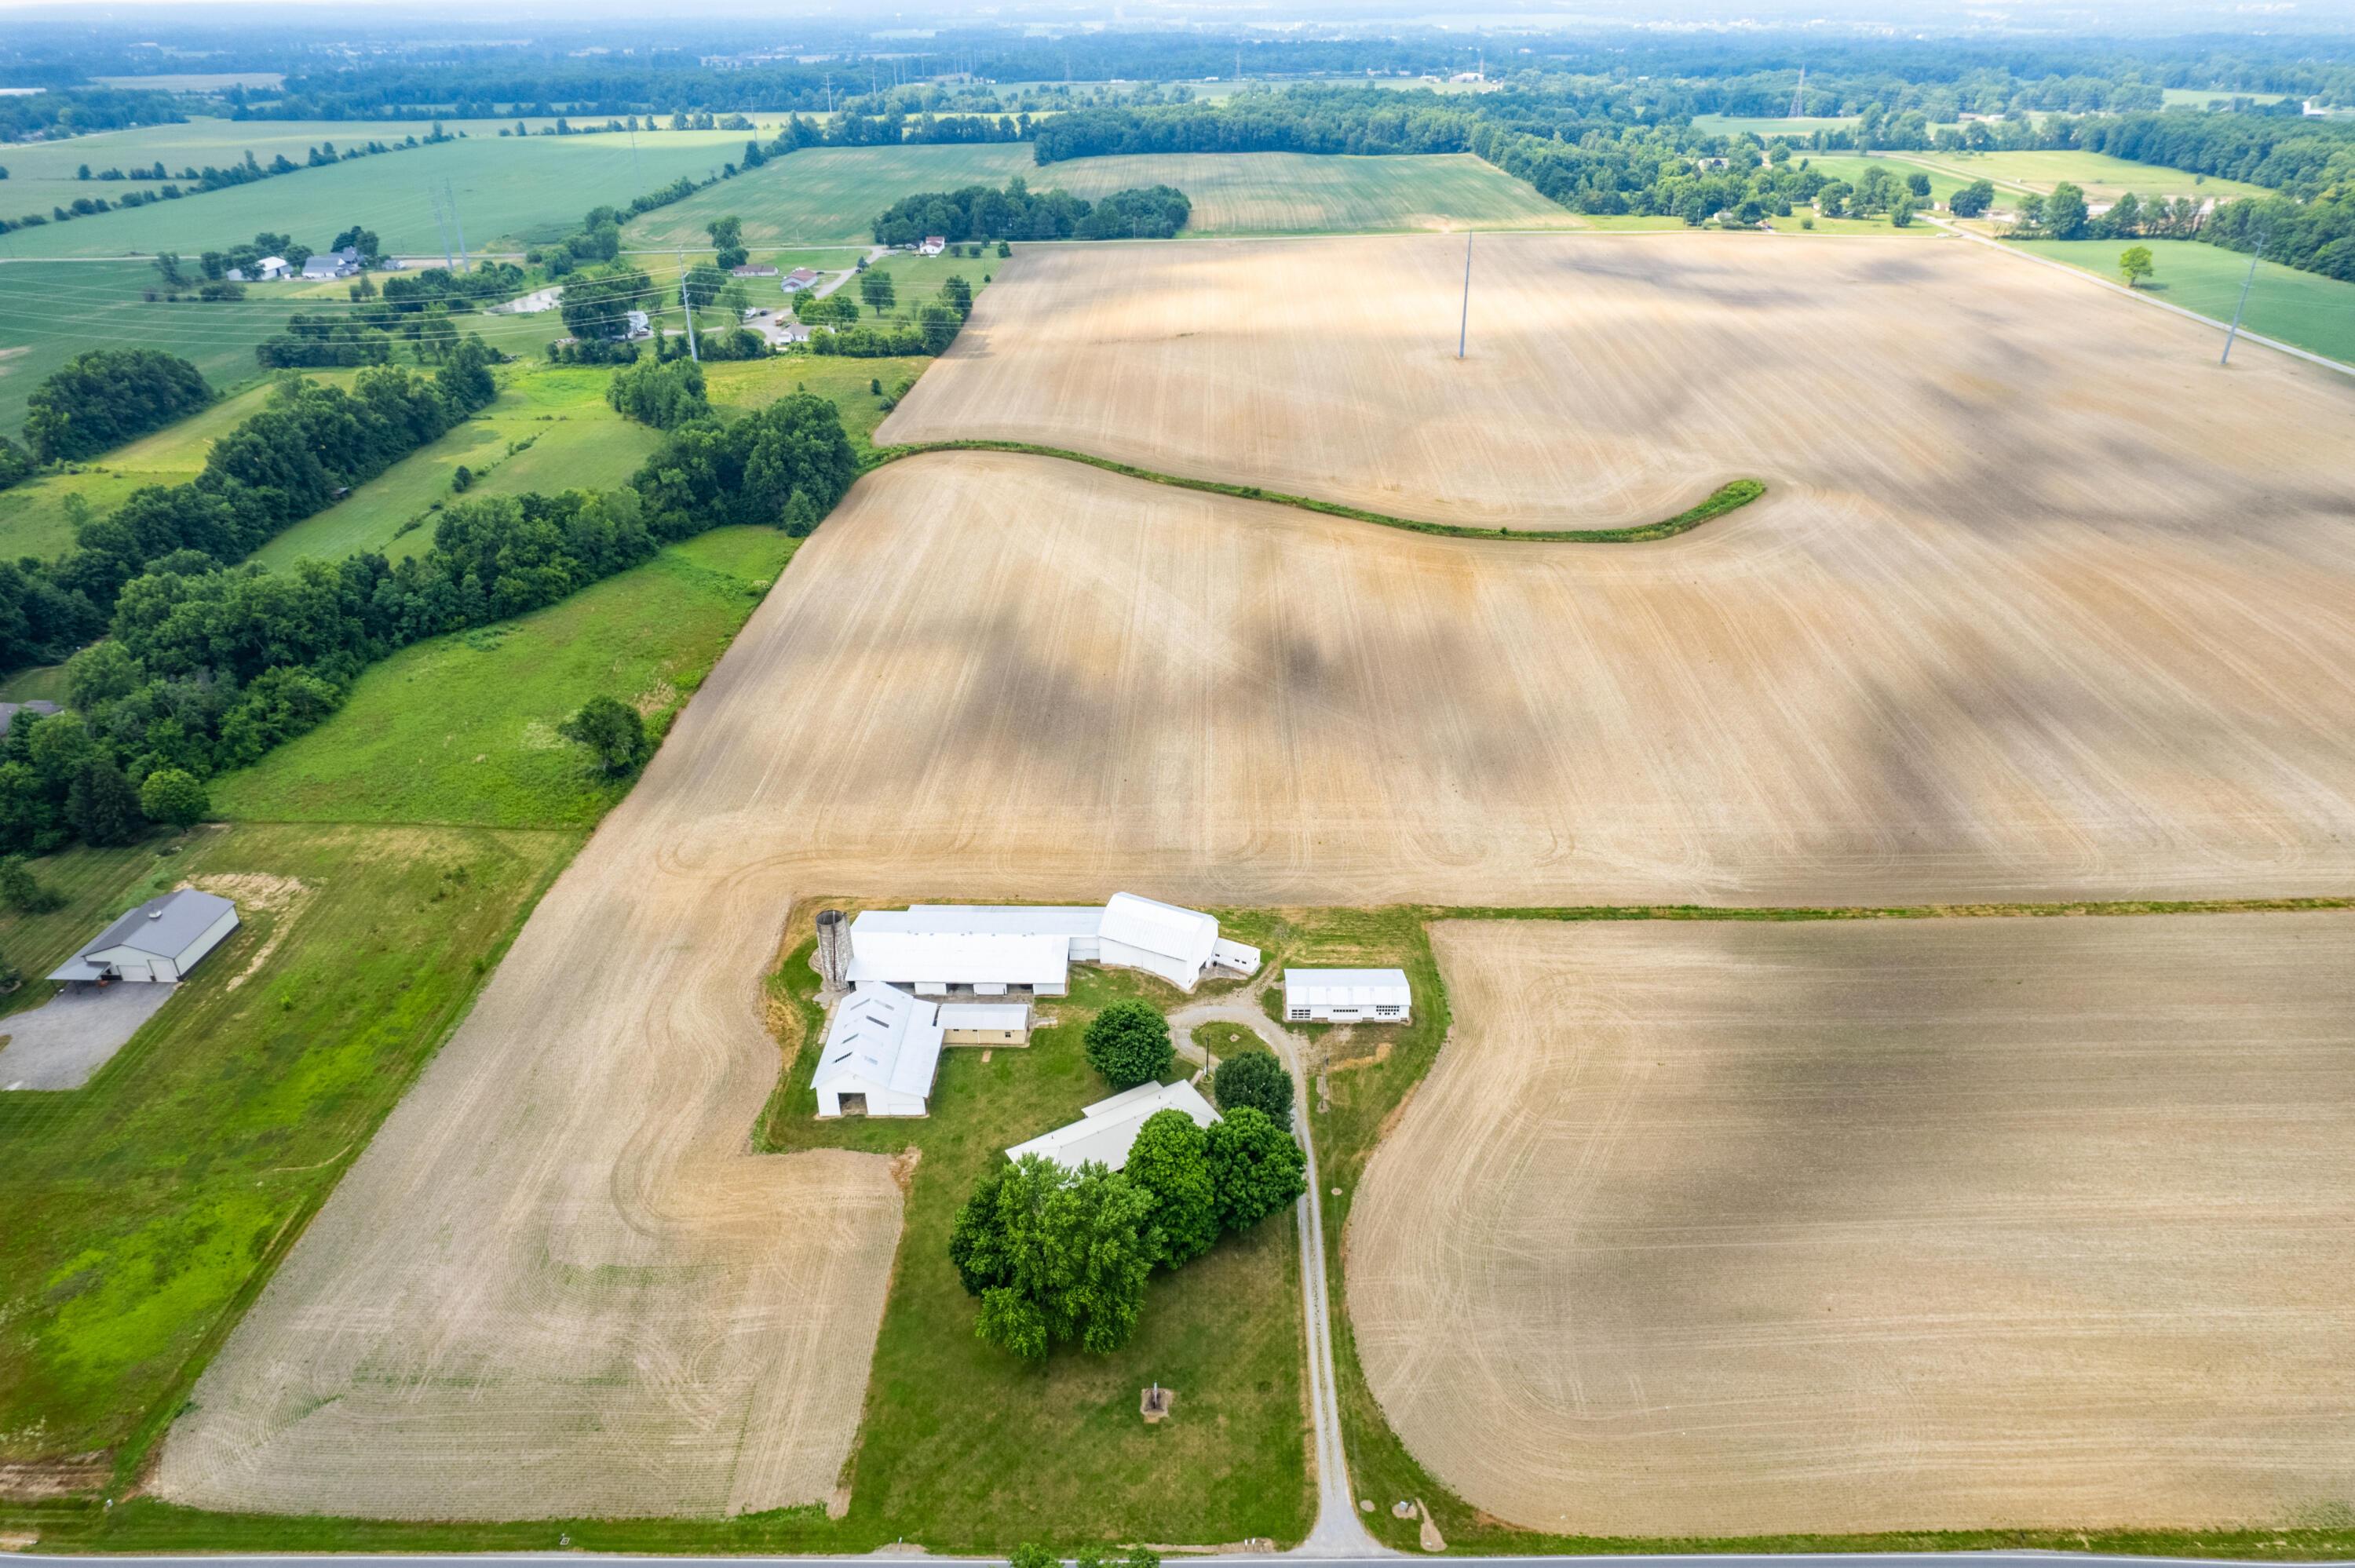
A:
[1767, 1559]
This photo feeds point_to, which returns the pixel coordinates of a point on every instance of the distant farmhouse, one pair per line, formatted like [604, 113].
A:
[952, 949]
[933, 246]
[328, 264]
[798, 279]
[752, 269]
[160, 940]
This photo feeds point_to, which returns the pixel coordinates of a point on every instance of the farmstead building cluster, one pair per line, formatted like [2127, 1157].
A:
[954, 949]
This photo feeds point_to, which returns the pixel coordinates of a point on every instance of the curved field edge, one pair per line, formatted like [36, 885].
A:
[1369, 1094]
[1728, 497]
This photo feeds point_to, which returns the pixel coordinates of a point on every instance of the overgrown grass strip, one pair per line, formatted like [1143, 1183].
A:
[1728, 497]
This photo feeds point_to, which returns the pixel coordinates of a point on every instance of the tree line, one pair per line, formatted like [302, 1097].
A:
[196, 181]
[979, 213]
[206, 666]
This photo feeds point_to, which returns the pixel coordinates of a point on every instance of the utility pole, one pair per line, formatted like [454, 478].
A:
[441, 227]
[2234, 330]
[1463, 328]
[637, 176]
[457, 223]
[1798, 94]
[686, 303]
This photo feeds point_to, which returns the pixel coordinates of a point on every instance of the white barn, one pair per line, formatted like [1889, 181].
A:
[1106, 1129]
[160, 940]
[882, 1051]
[955, 949]
[1347, 996]
[984, 1023]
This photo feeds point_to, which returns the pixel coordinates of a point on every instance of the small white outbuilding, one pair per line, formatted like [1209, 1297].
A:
[160, 940]
[882, 1051]
[1107, 1129]
[1347, 996]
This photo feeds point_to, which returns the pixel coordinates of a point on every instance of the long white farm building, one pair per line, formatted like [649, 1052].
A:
[1107, 1130]
[1347, 996]
[951, 949]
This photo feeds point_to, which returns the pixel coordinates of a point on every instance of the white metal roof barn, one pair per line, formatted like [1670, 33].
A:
[882, 1051]
[1347, 996]
[160, 940]
[995, 949]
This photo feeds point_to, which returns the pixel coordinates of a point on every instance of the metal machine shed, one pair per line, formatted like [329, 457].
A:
[882, 1051]
[1347, 996]
[1107, 1129]
[160, 940]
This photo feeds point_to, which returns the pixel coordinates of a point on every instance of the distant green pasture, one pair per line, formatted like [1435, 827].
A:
[2305, 310]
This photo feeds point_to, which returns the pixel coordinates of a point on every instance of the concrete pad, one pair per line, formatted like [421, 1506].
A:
[61, 1044]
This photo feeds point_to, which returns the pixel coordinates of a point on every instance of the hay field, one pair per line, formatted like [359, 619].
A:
[1739, 1228]
[1615, 380]
[2052, 684]
[1300, 193]
[826, 195]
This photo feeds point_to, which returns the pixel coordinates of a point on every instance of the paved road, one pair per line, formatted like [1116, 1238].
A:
[1814, 1559]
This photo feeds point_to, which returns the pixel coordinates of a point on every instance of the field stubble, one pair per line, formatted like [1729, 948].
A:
[2060, 637]
[1731, 1228]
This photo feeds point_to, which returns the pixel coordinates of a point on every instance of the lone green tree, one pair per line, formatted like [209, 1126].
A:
[1256, 1168]
[1128, 1043]
[613, 734]
[1170, 1160]
[2134, 265]
[173, 796]
[1973, 199]
[1257, 1079]
[22, 891]
[875, 288]
[727, 239]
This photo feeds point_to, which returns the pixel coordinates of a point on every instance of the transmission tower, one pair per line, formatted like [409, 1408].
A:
[1798, 95]
[441, 227]
[463, 264]
[686, 303]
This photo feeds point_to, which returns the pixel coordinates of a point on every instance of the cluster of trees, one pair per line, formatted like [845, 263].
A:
[78, 111]
[933, 327]
[1302, 120]
[978, 212]
[314, 342]
[664, 394]
[2064, 214]
[307, 444]
[2300, 157]
[110, 395]
[2316, 236]
[206, 666]
[1060, 1256]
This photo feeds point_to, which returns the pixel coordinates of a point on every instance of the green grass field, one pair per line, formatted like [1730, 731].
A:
[145, 1209]
[2303, 309]
[748, 383]
[1851, 167]
[1771, 126]
[462, 729]
[507, 191]
[826, 194]
[49, 312]
[35, 515]
[965, 1447]
[2103, 177]
[578, 442]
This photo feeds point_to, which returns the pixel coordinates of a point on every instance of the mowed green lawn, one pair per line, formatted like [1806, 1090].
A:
[145, 1209]
[747, 384]
[577, 442]
[35, 516]
[1297, 193]
[968, 1448]
[2304, 309]
[826, 195]
[50, 312]
[507, 191]
[462, 729]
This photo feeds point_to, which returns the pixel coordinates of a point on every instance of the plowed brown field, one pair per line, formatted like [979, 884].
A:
[1728, 1229]
[1617, 379]
[2089, 645]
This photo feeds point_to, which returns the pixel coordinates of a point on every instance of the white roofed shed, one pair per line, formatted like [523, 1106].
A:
[882, 1051]
[1106, 1129]
[1347, 996]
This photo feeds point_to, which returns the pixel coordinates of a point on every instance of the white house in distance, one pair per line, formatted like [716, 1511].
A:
[1106, 1129]
[160, 940]
[955, 949]
[933, 246]
[1347, 996]
[882, 1051]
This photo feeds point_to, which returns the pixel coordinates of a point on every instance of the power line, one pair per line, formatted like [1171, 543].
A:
[1463, 327]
